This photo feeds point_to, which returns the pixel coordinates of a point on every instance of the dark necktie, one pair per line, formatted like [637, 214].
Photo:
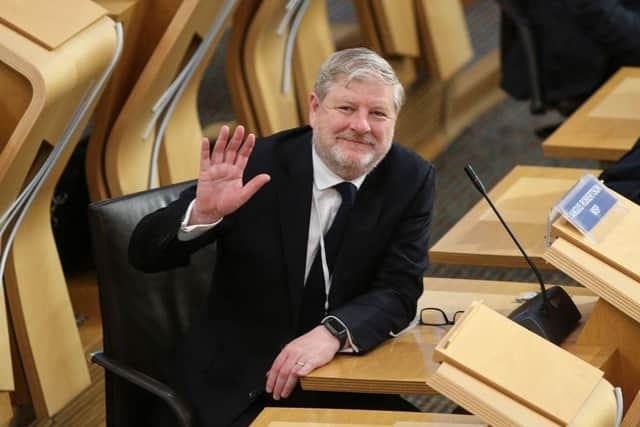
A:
[314, 295]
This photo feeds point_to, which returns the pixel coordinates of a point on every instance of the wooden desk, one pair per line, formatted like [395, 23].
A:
[524, 197]
[402, 364]
[606, 126]
[281, 417]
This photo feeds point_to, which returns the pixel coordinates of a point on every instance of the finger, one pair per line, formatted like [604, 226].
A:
[245, 151]
[308, 367]
[282, 378]
[291, 382]
[221, 143]
[205, 154]
[252, 187]
[275, 369]
[233, 146]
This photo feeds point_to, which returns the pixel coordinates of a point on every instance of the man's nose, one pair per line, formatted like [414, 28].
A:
[360, 122]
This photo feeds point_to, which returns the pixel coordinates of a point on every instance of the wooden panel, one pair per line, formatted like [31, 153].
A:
[606, 126]
[403, 364]
[396, 23]
[128, 152]
[6, 410]
[263, 58]
[608, 326]
[523, 197]
[313, 45]
[444, 37]
[611, 240]
[33, 18]
[144, 22]
[36, 291]
[632, 416]
[234, 65]
[6, 371]
[368, 27]
[288, 417]
[555, 383]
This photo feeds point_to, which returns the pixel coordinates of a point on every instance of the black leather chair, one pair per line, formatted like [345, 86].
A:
[143, 315]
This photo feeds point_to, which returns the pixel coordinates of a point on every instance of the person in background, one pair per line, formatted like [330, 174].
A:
[580, 44]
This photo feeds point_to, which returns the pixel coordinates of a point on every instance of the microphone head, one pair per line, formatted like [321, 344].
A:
[475, 179]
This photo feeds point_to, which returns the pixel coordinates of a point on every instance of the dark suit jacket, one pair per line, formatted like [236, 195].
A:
[254, 306]
[580, 43]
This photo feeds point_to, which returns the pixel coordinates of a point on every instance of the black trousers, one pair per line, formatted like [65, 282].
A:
[321, 399]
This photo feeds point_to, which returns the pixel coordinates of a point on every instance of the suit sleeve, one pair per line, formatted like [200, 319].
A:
[612, 25]
[154, 245]
[390, 304]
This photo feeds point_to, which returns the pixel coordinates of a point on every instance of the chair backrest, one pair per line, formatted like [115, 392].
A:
[143, 315]
[517, 17]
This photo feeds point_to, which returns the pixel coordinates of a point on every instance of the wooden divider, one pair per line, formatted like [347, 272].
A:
[263, 65]
[234, 65]
[128, 150]
[144, 22]
[54, 61]
[396, 24]
[313, 45]
[444, 38]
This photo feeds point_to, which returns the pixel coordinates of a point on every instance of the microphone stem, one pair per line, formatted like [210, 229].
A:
[533, 267]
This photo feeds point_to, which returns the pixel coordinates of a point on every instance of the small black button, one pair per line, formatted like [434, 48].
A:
[253, 394]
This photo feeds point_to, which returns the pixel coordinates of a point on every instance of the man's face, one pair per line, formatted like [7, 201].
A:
[353, 125]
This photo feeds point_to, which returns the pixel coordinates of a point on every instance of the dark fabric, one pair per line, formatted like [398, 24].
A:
[253, 308]
[144, 316]
[579, 44]
[333, 400]
[314, 295]
[624, 175]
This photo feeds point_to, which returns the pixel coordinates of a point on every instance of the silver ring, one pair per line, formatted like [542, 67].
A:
[299, 363]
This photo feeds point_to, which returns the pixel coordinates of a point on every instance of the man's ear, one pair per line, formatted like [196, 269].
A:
[314, 105]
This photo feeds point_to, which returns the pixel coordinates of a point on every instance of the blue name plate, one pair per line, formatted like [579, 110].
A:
[586, 204]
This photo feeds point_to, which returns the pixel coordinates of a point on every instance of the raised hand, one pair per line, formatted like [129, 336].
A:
[220, 190]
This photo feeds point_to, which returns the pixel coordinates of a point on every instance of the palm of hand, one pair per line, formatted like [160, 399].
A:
[220, 189]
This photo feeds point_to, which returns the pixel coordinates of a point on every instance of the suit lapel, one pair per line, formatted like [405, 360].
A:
[294, 196]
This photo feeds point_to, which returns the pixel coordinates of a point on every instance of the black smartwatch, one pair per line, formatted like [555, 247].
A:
[337, 329]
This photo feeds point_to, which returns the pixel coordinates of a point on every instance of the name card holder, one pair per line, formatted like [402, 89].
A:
[590, 207]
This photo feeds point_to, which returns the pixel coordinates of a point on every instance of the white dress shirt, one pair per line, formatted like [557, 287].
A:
[325, 202]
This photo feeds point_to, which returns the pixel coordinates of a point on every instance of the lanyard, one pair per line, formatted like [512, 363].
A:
[323, 256]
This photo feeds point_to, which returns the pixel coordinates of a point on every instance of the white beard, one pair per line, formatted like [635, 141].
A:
[346, 166]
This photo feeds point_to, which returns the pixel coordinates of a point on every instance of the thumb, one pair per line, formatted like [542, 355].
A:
[255, 184]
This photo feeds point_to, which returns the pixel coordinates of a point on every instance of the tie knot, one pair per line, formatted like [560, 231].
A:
[347, 191]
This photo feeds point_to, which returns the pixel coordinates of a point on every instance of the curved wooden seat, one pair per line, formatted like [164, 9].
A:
[263, 57]
[312, 46]
[53, 72]
[128, 150]
[144, 22]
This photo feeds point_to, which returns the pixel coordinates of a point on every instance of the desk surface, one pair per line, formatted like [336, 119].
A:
[288, 417]
[403, 364]
[524, 198]
[606, 126]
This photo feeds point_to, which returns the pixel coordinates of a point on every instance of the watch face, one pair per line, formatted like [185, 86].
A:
[334, 326]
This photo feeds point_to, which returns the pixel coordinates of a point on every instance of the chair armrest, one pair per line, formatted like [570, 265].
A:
[163, 391]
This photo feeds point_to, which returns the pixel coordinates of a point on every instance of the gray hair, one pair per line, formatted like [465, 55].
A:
[357, 64]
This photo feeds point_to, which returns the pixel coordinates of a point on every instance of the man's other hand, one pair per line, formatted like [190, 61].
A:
[298, 358]
[220, 190]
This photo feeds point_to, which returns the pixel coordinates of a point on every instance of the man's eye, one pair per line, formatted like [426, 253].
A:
[380, 114]
[345, 108]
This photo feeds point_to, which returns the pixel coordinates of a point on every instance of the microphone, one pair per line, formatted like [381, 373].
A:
[550, 314]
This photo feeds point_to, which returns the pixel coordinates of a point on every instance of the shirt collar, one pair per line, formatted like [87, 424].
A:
[324, 178]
